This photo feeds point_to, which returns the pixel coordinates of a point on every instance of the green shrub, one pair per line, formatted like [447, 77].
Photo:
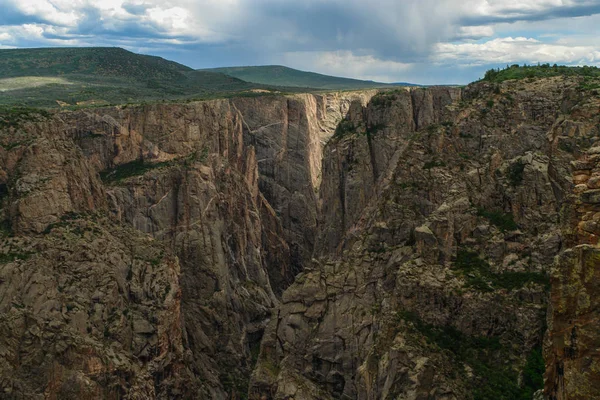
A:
[11, 117]
[6, 258]
[6, 229]
[124, 171]
[492, 379]
[495, 382]
[475, 270]
[449, 338]
[514, 173]
[384, 99]
[433, 164]
[589, 84]
[374, 128]
[478, 274]
[344, 128]
[567, 146]
[432, 128]
[235, 384]
[503, 221]
[533, 373]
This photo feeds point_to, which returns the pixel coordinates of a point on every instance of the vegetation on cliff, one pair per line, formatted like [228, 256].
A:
[11, 117]
[493, 379]
[516, 71]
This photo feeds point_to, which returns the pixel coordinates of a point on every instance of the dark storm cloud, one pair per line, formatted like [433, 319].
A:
[391, 30]
[332, 36]
[515, 14]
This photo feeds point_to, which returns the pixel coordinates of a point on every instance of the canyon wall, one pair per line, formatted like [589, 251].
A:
[179, 224]
[443, 212]
[404, 244]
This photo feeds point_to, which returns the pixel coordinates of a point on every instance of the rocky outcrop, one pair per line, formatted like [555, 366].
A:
[431, 275]
[353, 168]
[572, 339]
[90, 310]
[349, 245]
[189, 177]
[288, 134]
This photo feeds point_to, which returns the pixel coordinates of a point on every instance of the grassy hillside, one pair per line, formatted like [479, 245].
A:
[87, 76]
[284, 76]
[100, 61]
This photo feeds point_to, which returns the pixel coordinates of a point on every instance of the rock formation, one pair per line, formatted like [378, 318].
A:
[361, 245]
[172, 220]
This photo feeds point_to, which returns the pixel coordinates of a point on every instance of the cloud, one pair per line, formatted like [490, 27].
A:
[474, 32]
[347, 64]
[514, 50]
[57, 12]
[386, 40]
[397, 30]
[497, 11]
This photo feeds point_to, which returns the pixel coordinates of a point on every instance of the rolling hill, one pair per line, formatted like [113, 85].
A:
[49, 77]
[284, 76]
[100, 61]
[85, 76]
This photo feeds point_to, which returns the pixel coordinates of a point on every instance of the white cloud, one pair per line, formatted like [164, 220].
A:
[408, 26]
[202, 19]
[175, 20]
[514, 50]
[475, 32]
[37, 33]
[5, 37]
[347, 64]
[56, 13]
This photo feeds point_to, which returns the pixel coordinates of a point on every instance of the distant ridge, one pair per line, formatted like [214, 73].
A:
[100, 61]
[79, 76]
[284, 76]
[93, 76]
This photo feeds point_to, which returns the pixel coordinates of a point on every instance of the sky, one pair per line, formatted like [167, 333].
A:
[419, 41]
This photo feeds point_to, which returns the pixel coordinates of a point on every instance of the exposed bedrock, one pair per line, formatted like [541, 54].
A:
[424, 243]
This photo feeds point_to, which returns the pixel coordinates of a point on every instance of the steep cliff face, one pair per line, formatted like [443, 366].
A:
[355, 170]
[186, 180]
[90, 308]
[288, 134]
[349, 245]
[572, 361]
[441, 221]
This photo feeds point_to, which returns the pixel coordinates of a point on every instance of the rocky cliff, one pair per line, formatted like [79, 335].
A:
[572, 340]
[144, 246]
[443, 212]
[404, 244]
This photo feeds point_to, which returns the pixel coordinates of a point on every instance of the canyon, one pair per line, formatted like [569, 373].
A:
[417, 243]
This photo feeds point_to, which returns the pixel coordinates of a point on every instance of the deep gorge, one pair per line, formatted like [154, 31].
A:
[424, 243]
